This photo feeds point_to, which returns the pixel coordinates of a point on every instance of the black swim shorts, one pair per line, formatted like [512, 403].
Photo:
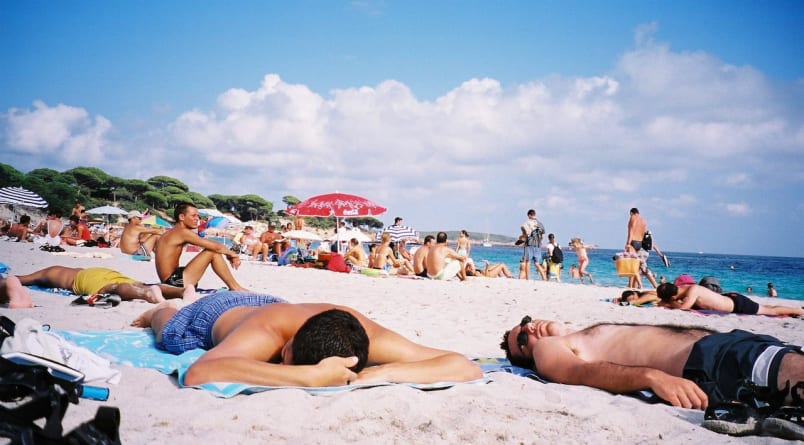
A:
[743, 304]
[176, 278]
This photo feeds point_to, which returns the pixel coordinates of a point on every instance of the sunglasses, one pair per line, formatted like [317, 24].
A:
[522, 337]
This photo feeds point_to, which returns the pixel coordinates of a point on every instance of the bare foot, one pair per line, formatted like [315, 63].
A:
[18, 297]
[189, 295]
[154, 294]
[144, 320]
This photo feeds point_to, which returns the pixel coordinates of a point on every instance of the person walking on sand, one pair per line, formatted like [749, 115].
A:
[171, 245]
[686, 367]
[264, 340]
[687, 295]
[636, 233]
[583, 259]
[138, 239]
[443, 263]
[531, 236]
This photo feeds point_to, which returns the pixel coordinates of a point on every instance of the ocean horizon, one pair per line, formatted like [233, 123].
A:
[745, 274]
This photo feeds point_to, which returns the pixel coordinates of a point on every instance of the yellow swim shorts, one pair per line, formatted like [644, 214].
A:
[91, 280]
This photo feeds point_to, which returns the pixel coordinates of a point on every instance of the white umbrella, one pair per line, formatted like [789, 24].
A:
[107, 210]
[347, 235]
[301, 234]
[210, 212]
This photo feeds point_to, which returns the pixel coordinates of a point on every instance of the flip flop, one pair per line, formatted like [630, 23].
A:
[97, 300]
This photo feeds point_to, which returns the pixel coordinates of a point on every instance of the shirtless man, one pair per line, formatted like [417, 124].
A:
[75, 233]
[686, 367]
[138, 239]
[692, 296]
[443, 263]
[636, 231]
[273, 240]
[92, 281]
[356, 256]
[420, 255]
[263, 340]
[170, 247]
[21, 230]
[253, 245]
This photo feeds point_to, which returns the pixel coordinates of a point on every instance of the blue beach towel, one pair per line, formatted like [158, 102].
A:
[136, 348]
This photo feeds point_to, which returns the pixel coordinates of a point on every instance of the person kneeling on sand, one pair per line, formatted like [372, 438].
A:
[263, 340]
[693, 296]
[89, 281]
[686, 367]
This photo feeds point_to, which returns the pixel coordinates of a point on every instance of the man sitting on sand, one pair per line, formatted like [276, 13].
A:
[443, 263]
[138, 239]
[171, 245]
[688, 295]
[419, 268]
[686, 367]
[89, 281]
[356, 256]
[263, 340]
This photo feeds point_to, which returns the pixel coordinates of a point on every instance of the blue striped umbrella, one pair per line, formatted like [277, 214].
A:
[22, 197]
[400, 232]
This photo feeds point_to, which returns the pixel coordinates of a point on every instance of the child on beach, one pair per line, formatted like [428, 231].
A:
[583, 259]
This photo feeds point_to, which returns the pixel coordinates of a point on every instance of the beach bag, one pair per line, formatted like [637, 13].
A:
[712, 283]
[647, 241]
[558, 256]
[535, 236]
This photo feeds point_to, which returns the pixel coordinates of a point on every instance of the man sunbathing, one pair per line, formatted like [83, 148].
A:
[693, 296]
[171, 245]
[89, 281]
[263, 340]
[686, 367]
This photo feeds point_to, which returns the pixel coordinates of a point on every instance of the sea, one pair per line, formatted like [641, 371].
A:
[737, 273]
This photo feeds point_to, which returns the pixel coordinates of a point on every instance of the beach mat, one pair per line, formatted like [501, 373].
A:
[137, 349]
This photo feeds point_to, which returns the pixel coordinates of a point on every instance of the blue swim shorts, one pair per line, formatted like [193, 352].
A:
[191, 327]
[719, 362]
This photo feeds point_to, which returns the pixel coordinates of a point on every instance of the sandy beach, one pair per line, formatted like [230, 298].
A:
[468, 317]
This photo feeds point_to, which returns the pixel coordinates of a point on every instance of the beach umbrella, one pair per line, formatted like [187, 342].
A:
[339, 205]
[155, 221]
[19, 196]
[346, 235]
[301, 234]
[400, 232]
[107, 210]
[210, 212]
[220, 222]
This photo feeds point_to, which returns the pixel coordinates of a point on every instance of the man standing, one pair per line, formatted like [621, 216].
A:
[443, 263]
[138, 239]
[170, 247]
[532, 233]
[636, 232]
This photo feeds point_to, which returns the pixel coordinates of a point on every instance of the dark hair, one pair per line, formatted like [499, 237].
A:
[666, 291]
[181, 209]
[25, 219]
[75, 219]
[54, 212]
[331, 333]
[522, 362]
[627, 293]
[531, 212]
[634, 211]
[397, 219]
[428, 238]
[441, 237]
[334, 247]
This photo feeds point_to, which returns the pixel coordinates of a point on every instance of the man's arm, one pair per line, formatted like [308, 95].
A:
[400, 360]
[556, 361]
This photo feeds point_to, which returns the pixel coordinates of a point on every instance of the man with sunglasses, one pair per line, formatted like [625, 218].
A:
[686, 367]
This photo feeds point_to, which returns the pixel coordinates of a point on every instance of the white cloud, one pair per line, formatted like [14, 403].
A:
[737, 208]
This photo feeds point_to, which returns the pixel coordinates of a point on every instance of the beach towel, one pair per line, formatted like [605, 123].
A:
[137, 348]
[70, 293]
[494, 364]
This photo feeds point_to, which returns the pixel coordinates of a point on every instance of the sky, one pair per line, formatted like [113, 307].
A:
[452, 114]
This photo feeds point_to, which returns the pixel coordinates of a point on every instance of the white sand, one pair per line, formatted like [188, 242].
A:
[467, 317]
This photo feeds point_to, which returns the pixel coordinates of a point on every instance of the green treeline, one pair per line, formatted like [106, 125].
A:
[159, 194]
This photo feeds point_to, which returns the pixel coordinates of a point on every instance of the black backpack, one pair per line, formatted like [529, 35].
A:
[647, 241]
[558, 255]
[535, 237]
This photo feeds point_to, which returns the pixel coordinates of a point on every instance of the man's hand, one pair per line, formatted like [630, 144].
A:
[679, 391]
[234, 261]
[334, 371]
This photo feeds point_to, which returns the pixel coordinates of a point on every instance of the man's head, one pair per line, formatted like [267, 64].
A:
[74, 220]
[25, 220]
[428, 239]
[531, 213]
[551, 237]
[334, 247]
[331, 333]
[441, 237]
[515, 342]
[134, 214]
[634, 211]
[397, 220]
[667, 292]
[186, 213]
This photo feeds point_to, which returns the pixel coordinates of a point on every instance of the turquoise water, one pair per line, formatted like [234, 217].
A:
[735, 272]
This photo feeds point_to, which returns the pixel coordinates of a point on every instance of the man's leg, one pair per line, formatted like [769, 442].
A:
[51, 277]
[766, 309]
[197, 266]
[13, 293]
[149, 242]
[791, 369]
[135, 291]
[156, 318]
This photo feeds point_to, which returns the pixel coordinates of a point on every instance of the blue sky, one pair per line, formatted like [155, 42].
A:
[452, 114]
